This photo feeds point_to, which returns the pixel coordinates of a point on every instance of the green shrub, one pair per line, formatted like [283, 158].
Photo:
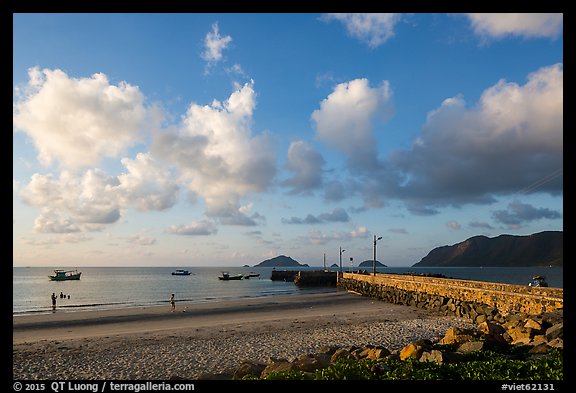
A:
[511, 364]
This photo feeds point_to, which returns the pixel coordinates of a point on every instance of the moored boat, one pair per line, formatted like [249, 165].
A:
[64, 275]
[252, 274]
[181, 272]
[226, 276]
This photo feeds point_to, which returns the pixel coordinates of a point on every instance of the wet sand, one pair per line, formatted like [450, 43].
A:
[154, 343]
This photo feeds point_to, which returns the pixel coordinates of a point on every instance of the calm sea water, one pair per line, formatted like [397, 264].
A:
[118, 287]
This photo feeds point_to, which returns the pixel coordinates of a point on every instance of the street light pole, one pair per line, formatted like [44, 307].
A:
[341, 251]
[375, 240]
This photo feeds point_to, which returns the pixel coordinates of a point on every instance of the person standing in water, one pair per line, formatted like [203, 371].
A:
[53, 301]
[172, 303]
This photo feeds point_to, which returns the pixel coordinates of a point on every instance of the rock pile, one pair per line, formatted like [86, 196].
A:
[541, 332]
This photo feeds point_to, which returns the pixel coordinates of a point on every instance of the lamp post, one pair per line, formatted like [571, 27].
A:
[375, 240]
[341, 251]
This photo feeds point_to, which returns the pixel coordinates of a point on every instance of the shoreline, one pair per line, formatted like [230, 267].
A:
[159, 303]
[198, 338]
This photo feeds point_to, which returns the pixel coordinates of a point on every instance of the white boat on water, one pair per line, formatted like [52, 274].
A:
[64, 275]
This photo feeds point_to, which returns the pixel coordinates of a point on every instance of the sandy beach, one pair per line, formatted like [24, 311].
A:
[154, 343]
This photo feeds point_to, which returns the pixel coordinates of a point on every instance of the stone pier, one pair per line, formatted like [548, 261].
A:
[414, 289]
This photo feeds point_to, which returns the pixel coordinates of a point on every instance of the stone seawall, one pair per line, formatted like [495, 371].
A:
[305, 278]
[317, 278]
[283, 275]
[476, 300]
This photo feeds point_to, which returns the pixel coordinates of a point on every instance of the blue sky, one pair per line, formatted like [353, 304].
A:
[207, 139]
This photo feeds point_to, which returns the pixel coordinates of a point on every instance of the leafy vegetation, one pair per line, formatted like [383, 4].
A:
[514, 364]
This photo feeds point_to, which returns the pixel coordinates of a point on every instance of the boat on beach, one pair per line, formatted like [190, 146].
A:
[227, 277]
[181, 272]
[65, 275]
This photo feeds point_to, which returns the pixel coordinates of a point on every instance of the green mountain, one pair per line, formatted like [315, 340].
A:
[539, 249]
[280, 261]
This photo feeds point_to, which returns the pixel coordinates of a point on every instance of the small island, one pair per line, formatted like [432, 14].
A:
[369, 263]
[280, 261]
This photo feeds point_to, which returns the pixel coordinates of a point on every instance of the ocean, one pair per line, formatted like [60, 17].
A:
[120, 287]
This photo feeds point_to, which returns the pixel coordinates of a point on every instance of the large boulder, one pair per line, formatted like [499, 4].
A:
[440, 357]
[311, 362]
[471, 346]
[276, 365]
[247, 367]
[456, 336]
[415, 349]
[520, 335]
[340, 354]
[533, 324]
[377, 353]
[556, 331]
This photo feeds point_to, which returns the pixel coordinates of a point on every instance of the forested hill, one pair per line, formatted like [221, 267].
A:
[538, 249]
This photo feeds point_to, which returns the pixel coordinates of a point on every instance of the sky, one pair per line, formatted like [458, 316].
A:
[225, 139]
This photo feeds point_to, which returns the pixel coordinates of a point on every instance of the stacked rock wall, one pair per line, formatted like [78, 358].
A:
[315, 278]
[462, 297]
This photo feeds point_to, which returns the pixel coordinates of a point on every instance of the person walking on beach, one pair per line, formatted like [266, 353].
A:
[53, 301]
[172, 303]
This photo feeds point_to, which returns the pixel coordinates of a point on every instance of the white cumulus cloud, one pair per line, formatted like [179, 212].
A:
[146, 186]
[88, 201]
[214, 44]
[512, 138]
[73, 203]
[373, 28]
[217, 156]
[51, 221]
[528, 25]
[345, 119]
[78, 121]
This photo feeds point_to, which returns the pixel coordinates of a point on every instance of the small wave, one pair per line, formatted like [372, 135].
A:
[28, 312]
[94, 305]
[76, 307]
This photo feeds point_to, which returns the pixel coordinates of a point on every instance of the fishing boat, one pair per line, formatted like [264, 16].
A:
[181, 272]
[64, 275]
[227, 277]
[252, 274]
